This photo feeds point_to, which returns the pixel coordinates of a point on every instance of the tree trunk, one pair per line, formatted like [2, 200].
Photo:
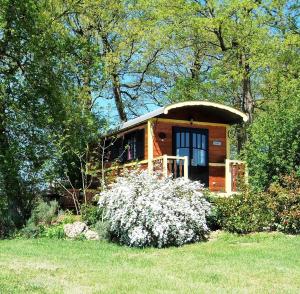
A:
[247, 98]
[115, 82]
[195, 70]
[118, 97]
[246, 103]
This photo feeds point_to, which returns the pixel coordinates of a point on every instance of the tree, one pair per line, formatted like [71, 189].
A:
[15, 64]
[77, 150]
[273, 149]
[37, 96]
[225, 49]
[122, 51]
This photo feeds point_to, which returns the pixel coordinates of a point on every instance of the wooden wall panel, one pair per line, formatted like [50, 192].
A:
[217, 178]
[217, 154]
[162, 147]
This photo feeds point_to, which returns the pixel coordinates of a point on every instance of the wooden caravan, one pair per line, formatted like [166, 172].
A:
[188, 139]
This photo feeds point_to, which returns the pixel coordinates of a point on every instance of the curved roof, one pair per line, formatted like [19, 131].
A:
[232, 115]
[208, 104]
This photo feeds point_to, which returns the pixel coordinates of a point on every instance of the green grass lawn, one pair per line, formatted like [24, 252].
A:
[264, 263]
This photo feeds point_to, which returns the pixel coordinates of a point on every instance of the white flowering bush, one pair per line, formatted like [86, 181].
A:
[150, 210]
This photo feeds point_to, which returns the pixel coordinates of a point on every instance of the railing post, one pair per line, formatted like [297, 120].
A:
[228, 179]
[186, 168]
[165, 165]
[150, 146]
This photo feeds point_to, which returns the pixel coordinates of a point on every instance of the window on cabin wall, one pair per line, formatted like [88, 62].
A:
[134, 145]
[129, 147]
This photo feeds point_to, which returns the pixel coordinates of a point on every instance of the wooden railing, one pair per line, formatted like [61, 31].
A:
[177, 166]
[236, 175]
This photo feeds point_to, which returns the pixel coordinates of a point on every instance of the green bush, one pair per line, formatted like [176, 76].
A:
[31, 230]
[276, 209]
[80, 237]
[41, 216]
[54, 232]
[244, 213]
[213, 218]
[91, 214]
[290, 221]
[44, 212]
[7, 224]
[102, 229]
[273, 147]
[286, 203]
[67, 217]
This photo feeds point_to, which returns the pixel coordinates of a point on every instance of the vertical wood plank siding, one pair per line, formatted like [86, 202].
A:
[217, 154]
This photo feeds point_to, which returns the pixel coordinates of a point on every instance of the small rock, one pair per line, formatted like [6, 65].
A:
[91, 235]
[75, 229]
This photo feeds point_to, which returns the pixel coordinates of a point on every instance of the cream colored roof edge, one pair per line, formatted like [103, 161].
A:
[166, 109]
[206, 103]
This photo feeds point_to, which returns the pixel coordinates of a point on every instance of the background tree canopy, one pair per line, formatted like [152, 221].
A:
[64, 63]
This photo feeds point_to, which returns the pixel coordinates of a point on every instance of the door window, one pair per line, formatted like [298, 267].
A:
[199, 149]
[182, 143]
[194, 144]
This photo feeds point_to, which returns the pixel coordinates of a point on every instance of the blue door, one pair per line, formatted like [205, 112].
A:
[193, 143]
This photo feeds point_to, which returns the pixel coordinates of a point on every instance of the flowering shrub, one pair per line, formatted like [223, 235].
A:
[150, 210]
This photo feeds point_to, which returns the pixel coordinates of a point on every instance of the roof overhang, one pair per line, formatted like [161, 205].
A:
[209, 111]
[226, 108]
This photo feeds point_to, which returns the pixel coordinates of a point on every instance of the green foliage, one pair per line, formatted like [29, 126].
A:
[276, 209]
[31, 230]
[290, 220]
[28, 105]
[244, 213]
[44, 213]
[44, 106]
[80, 237]
[101, 227]
[273, 148]
[53, 232]
[187, 89]
[213, 218]
[286, 203]
[67, 217]
[6, 224]
[91, 214]
[42, 216]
